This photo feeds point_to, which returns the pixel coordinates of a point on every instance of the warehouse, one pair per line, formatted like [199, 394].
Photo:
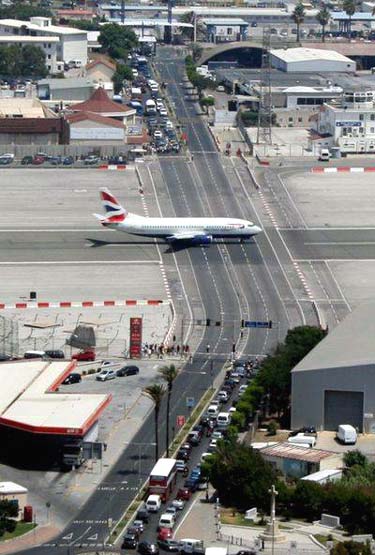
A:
[311, 60]
[335, 383]
[36, 420]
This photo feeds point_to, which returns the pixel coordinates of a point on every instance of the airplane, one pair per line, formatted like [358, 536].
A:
[194, 230]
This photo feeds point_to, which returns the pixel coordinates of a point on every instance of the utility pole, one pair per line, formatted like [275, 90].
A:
[264, 130]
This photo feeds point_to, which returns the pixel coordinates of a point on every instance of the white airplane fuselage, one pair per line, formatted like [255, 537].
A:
[190, 227]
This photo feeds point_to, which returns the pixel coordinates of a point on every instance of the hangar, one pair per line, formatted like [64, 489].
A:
[335, 383]
[35, 415]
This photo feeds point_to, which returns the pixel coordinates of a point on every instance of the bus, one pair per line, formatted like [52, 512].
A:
[163, 478]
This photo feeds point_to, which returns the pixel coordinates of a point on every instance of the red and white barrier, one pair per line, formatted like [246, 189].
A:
[342, 169]
[84, 304]
[112, 167]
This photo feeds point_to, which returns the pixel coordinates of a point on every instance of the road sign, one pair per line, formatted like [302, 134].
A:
[255, 324]
[190, 402]
[180, 420]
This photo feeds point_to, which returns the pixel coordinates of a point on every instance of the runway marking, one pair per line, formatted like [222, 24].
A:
[77, 262]
[325, 228]
[49, 230]
[334, 259]
[330, 243]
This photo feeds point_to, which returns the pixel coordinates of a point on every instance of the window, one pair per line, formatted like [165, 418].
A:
[361, 117]
[372, 117]
[49, 56]
[229, 31]
[372, 129]
[299, 120]
[290, 119]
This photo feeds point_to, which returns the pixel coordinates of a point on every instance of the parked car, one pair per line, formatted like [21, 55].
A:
[26, 160]
[172, 510]
[38, 160]
[138, 524]
[169, 545]
[106, 375]
[88, 356]
[165, 534]
[74, 377]
[55, 353]
[68, 161]
[127, 371]
[179, 504]
[143, 514]
[191, 484]
[130, 541]
[148, 548]
[91, 160]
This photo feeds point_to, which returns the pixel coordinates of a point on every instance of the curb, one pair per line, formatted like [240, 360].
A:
[343, 169]
[112, 167]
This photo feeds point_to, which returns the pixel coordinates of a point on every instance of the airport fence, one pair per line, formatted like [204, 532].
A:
[9, 336]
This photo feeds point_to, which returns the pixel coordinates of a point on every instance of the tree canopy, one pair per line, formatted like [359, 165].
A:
[23, 11]
[8, 511]
[116, 40]
[22, 61]
[122, 73]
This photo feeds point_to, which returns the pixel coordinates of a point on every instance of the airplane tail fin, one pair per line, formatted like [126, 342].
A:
[114, 211]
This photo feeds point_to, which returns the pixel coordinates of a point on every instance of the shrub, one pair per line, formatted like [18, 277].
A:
[272, 428]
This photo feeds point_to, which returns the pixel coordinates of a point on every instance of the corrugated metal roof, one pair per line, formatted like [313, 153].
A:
[308, 55]
[295, 452]
[11, 487]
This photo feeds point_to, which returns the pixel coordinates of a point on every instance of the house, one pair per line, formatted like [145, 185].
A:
[48, 43]
[72, 42]
[71, 89]
[99, 103]
[100, 70]
[94, 129]
[10, 491]
[225, 30]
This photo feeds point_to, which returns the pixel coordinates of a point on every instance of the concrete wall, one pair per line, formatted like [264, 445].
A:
[308, 393]
[20, 497]
[29, 139]
[74, 47]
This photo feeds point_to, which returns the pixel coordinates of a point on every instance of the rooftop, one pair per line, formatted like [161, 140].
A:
[347, 345]
[323, 474]
[27, 38]
[309, 54]
[68, 83]
[24, 108]
[29, 399]
[225, 21]
[11, 487]
[55, 29]
[296, 452]
[100, 103]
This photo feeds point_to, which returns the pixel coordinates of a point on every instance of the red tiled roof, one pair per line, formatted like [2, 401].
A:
[82, 116]
[103, 61]
[99, 103]
[75, 12]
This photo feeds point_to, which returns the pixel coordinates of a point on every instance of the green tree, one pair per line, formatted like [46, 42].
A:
[308, 499]
[349, 9]
[323, 16]
[298, 17]
[155, 392]
[197, 50]
[26, 61]
[23, 11]
[351, 548]
[355, 458]
[8, 511]
[240, 475]
[116, 40]
[169, 374]
[85, 25]
[122, 73]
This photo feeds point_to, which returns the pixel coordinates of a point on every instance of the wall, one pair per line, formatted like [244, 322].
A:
[295, 118]
[312, 384]
[319, 66]
[74, 47]
[20, 497]
[86, 129]
[100, 73]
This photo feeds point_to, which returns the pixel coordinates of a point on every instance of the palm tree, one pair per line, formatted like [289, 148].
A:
[349, 9]
[323, 16]
[155, 392]
[298, 17]
[169, 374]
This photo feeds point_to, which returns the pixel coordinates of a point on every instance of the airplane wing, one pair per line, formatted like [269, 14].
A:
[199, 237]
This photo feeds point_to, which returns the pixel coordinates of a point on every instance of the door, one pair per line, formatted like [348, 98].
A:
[343, 407]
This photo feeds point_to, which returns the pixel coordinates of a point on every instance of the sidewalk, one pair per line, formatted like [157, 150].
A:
[36, 537]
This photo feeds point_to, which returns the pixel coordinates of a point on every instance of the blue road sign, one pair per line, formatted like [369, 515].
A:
[255, 324]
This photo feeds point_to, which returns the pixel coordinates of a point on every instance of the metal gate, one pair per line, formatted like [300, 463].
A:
[343, 407]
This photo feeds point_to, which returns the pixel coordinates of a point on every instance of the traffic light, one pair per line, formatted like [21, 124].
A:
[208, 322]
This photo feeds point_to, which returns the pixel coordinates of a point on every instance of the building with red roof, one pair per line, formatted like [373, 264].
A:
[99, 103]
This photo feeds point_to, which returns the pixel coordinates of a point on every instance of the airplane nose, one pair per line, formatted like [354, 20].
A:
[257, 230]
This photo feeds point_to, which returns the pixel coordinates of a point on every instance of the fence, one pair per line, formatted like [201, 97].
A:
[257, 546]
[244, 133]
[9, 338]
[76, 151]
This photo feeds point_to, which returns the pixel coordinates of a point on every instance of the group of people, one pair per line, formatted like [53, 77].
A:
[150, 349]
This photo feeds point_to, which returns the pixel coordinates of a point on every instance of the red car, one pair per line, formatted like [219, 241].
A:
[164, 534]
[184, 493]
[85, 356]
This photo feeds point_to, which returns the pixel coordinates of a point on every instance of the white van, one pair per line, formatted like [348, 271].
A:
[167, 520]
[302, 439]
[153, 503]
[213, 411]
[223, 419]
[150, 107]
[346, 434]
[325, 155]
[188, 545]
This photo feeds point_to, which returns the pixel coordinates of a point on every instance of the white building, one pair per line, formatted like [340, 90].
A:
[350, 124]
[71, 45]
[225, 29]
[311, 60]
[49, 45]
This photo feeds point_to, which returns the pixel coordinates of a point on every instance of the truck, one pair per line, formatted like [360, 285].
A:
[72, 454]
[346, 434]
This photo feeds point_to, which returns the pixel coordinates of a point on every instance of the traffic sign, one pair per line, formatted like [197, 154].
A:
[190, 402]
[180, 420]
[255, 324]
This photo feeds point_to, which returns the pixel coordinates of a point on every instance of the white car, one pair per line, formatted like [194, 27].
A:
[242, 389]
[158, 134]
[223, 396]
[205, 456]
[213, 444]
[179, 504]
[159, 103]
[163, 112]
[216, 435]
[168, 124]
[105, 375]
[215, 402]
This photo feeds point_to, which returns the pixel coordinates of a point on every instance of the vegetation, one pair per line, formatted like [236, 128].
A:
[20, 10]
[22, 61]
[117, 41]
[240, 475]
[207, 101]
[155, 392]
[355, 458]
[351, 548]
[349, 9]
[195, 79]
[298, 17]
[20, 529]
[169, 374]
[85, 25]
[272, 428]
[8, 512]
[323, 16]
[122, 73]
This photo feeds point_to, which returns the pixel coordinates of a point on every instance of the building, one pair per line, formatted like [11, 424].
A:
[49, 45]
[71, 89]
[324, 476]
[72, 43]
[36, 420]
[338, 377]
[100, 70]
[350, 123]
[99, 103]
[225, 30]
[311, 60]
[10, 491]
[75, 14]
[296, 461]
[93, 129]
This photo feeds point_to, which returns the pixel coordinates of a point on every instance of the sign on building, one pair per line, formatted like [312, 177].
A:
[97, 133]
[135, 337]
